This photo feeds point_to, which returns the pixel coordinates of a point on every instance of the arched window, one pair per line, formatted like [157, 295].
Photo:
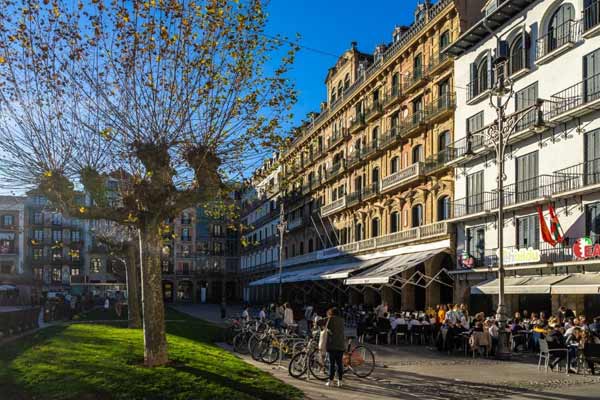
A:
[444, 39]
[417, 153]
[358, 232]
[394, 222]
[482, 79]
[375, 177]
[394, 165]
[417, 215]
[418, 67]
[560, 27]
[375, 227]
[340, 89]
[518, 53]
[375, 136]
[347, 81]
[443, 144]
[443, 208]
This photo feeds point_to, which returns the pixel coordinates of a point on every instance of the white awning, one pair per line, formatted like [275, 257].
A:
[6, 288]
[578, 284]
[319, 271]
[394, 266]
[520, 285]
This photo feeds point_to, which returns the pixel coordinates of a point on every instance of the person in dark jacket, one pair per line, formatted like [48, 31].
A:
[336, 344]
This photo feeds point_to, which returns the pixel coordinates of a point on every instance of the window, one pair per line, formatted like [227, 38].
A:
[528, 231]
[394, 222]
[418, 67]
[57, 236]
[358, 232]
[417, 215]
[592, 221]
[475, 193]
[310, 245]
[518, 53]
[56, 219]
[526, 98]
[57, 254]
[37, 253]
[38, 218]
[217, 230]
[417, 153]
[561, 27]
[75, 272]
[95, 265]
[333, 96]
[166, 266]
[443, 144]
[474, 124]
[38, 235]
[38, 273]
[375, 177]
[375, 227]
[75, 254]
[481, 76]
[186, 219]
[476, 243]
[394, 165]
[75, 236]
[444, 40]
[347, 81]
[592, 157]
[8, 220]
[443, 208]
[7, 242]
[591, 73]
[56, 274]
[185, 234]
[301, 248]
[374, 137]
[217, 248]
[395, 84]
[417, 106]
[527, 179]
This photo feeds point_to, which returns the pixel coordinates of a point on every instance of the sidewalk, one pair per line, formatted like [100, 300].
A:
[419, 372]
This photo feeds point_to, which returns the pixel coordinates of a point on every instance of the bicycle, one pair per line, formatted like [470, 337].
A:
[358, 359]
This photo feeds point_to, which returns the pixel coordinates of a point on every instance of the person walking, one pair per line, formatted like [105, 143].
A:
[336, 344]
[288, 316]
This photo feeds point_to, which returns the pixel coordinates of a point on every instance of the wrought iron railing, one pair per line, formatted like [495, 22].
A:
[405, 174]
[577, 176]
[557, 37]
[572, 97]
[591, 15]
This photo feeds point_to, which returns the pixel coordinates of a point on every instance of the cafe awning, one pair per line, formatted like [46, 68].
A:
[384, 273]
[320, 271]
[578, 284]
[520, 285]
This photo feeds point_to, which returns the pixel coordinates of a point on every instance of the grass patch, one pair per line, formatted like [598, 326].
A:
[83, 361]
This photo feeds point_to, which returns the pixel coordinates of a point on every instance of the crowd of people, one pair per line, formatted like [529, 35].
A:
[451, 328]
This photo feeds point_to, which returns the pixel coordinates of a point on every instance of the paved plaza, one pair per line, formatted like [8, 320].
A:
[420, 372]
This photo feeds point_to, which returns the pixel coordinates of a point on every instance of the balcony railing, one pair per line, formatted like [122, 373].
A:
[577, 177]
[412, 79]
[336, 138]
[488, 258]
[362, 194]
[591, 16]
[572, 98]
[369, 148]
[374, 111]
[411, 122]
[438, 60]
[403, 176]
[295, 223]
[477, 88]
[334, 206]
[335, 169]
[390, 137]
[529, 189]
[392, 96]
[354, 157]
[357, 122]
[440, 105]
[473, 204]
[560, 37]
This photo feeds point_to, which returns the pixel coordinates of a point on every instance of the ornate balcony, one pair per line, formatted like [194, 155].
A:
[374, 111]
[557, 41]
[402, 177]
[357, 123]
[334, 206]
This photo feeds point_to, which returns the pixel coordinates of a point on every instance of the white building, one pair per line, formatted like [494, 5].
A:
[553, 53]
[260, 217]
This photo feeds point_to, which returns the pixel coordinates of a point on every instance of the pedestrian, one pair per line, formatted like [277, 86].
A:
[288, 316]
[246, 314]
[335, 345]
[106, 304]
[223, 310]
[262, 314]
[278, 316]
[308, 316]
[381, 309]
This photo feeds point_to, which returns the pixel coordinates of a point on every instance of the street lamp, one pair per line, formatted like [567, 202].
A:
[498, 135]
[281, 228]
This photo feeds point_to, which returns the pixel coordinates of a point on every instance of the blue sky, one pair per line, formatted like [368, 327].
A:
[330, 26]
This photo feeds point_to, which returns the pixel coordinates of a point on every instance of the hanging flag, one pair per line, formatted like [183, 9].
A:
[546, 235]
[555, 229]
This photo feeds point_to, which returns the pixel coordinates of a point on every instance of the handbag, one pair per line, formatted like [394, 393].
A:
[324, 337]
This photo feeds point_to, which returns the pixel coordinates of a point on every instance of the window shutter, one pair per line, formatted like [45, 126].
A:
[473, 80]
[526, 43]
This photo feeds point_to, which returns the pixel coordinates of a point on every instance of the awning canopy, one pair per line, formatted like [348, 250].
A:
[394, 266]
[578, 284]
[320, 271]
[520, 285]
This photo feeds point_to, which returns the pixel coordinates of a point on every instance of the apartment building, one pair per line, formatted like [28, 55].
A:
[201, 259]
[551, 52]
[368, 186]
[260, 212]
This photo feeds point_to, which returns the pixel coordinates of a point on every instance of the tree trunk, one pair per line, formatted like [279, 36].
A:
[155, 340]
[133, 287]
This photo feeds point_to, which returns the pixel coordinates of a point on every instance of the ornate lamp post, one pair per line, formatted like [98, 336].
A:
[497, 136]
[281, 228]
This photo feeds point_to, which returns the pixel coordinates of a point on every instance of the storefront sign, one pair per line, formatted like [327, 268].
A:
[585, 248]
[521, 256]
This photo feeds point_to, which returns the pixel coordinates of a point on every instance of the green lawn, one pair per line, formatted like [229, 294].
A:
[83, 361]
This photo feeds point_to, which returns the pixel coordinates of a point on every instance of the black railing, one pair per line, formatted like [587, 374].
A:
[437, 60]
[477, 87]
[412, 121]
[369, 148]
[393, 95]
[474, 204]
[567, 32]
[529, 189]
[572, 97]
[375, 110]
[577, 176]
[413, 78]
[440, 105]
[357, 122]
[591, 16]
[390, 137]
[354, 157]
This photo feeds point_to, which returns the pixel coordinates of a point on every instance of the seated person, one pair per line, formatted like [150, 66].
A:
[556, 340]
[480, 339]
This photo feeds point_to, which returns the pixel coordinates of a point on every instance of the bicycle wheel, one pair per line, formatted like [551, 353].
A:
[318, 365]
[252, 342]
[362, 361]
[270, 354]
[259, 349]
[240, 343]
[298, 365]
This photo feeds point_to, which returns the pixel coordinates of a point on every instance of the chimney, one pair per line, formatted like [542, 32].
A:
[353, 45]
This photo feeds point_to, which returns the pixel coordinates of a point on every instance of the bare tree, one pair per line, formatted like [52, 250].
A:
[123, 245]
[171, 98]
